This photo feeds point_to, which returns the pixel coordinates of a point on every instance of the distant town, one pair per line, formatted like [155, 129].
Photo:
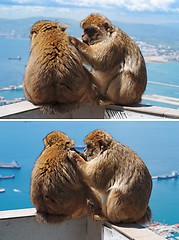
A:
[160, 53]
[152, 53]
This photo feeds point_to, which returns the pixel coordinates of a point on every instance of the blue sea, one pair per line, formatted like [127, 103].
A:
[12, 72]
[156, 142]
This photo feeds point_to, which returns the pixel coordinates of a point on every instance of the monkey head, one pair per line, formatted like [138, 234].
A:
[60, 139]
[45, 25]
[96, 143]
[96, 28]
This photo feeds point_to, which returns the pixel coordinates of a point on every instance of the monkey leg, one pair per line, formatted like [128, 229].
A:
[122, 207]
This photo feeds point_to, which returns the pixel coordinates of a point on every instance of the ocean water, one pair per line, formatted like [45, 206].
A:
[156, 142]
[12, 72]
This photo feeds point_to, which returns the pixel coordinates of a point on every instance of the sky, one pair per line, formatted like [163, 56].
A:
[153, 11]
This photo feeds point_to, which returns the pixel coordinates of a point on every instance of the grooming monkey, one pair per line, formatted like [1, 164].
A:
[57, 191]
[55, 77]
[118, 173]
[119, 66]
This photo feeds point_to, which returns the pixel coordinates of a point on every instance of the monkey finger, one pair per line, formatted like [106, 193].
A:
[72, 40]
[72, 155]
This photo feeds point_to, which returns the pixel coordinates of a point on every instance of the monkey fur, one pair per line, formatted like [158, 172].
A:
[57, 191]
[54, 77]
[119, 174]
[120, 70]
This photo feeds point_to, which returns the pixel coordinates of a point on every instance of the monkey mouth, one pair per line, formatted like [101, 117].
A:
[86, 42]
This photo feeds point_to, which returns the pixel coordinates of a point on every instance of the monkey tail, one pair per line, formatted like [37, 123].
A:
[57, 108]
[147, 216]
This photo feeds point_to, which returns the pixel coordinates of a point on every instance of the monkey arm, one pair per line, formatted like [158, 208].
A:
[79, 153]
[86, 52]
[94, 199]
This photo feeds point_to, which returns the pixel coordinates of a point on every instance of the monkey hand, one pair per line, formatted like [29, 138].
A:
[75, 42]
[73, 156]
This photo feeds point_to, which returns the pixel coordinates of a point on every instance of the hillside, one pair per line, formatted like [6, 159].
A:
[167, 34]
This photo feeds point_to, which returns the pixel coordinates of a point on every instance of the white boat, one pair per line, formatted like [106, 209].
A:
[174, 174]
[17, 190]
[2, 190]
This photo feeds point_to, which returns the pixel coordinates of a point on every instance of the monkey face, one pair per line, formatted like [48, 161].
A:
[96, 28]
[92, 35]
[91, 150]
[60, 139]
[96, 143]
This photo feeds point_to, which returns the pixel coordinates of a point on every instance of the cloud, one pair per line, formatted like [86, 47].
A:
[131, 10]
[131, 5]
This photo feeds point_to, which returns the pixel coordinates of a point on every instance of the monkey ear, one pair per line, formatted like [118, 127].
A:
[33, 32]
[108, 26]
[102, 145]
[81, 24]
[63, 27]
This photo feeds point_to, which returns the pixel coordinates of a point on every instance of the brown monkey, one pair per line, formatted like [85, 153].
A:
[119, 66]
[57, 191]
[55, 77]
[119, 174]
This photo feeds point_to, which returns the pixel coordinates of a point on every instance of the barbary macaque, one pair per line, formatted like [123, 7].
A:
[119, 67]
[120, 176]
[55, 77]
[57, 190]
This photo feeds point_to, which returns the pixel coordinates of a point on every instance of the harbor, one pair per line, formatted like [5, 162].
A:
[167, 231]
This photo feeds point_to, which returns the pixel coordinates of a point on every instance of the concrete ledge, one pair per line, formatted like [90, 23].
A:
[21, 224]
[26, 110]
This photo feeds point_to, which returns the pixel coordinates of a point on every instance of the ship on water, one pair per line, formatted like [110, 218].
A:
[13, 165]
[15, 58]
[12, 87]
[174, 174]
[7, 177]
[2, 190]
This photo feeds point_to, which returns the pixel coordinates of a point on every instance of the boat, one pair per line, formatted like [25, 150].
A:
[12, 87]
[2, 190]
[13, 165]
[15, 58]
[174, 174]
[17, 190]
[7, 177]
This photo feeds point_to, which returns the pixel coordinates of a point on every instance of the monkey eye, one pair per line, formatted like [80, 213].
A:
[89, 145]
[90, 31]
